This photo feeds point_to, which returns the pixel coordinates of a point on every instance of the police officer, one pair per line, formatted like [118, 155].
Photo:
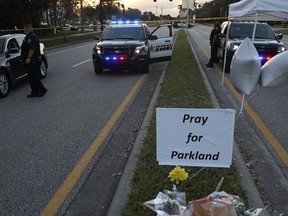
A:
[214, 43]
[30, 55]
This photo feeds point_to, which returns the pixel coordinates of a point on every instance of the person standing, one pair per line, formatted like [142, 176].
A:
[214, 43]
[30, 55]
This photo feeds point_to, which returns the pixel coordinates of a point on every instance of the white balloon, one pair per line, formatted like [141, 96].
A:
[245, 67]
[274, 73]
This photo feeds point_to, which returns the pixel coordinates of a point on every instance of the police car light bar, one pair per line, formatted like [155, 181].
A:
[125, 22]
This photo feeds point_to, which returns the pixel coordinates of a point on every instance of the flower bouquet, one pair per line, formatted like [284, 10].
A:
[173, 203]
[222, 204]
[168, 203]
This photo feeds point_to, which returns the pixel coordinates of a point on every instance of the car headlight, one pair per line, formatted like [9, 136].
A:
[139, 49]
[98, 50]
[281, 49]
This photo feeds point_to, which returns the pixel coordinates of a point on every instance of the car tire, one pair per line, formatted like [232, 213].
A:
[228, 64]
[43, 68]
[5, 85]
[227, 67]
[98, 70]
[146, 68]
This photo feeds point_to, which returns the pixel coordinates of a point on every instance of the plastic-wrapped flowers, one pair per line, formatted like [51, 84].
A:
[173, 203]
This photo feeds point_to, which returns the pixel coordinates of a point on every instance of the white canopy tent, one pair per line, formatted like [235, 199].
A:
[267, 10]
[257, 10]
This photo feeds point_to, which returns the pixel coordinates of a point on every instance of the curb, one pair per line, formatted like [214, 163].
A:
[123, 187]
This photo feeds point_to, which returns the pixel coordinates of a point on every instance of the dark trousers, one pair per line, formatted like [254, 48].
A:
[33, 70]
[213, 58]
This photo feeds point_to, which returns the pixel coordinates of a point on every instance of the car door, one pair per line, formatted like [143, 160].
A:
[222, 40]
[161, 43]
[13, 56]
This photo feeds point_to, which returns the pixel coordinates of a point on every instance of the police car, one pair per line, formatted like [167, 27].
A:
[132, 46]
[266, 42]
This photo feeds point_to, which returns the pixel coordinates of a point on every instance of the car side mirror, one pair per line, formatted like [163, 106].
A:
[97, 38]
[153, 37]
[280, 36]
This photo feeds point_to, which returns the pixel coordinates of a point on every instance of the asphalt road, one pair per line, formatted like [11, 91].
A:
[43, 139]
[265, 107]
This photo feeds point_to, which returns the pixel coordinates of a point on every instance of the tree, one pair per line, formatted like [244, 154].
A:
[23, 11]
[133, 14]
[90, 13]
[214, 8]
[148, 15]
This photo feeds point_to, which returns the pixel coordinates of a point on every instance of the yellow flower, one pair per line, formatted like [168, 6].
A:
[178, 174]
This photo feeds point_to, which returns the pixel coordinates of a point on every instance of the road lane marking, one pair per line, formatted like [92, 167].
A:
[81, 63]
[67, 50]
[62, 193]
[272, 140]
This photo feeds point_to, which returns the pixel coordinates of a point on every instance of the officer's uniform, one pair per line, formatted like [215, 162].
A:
[214, 43]
[31, 41]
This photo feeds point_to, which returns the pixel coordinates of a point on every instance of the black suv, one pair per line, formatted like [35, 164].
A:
[12, 69]
[266, 41]
[132, 46]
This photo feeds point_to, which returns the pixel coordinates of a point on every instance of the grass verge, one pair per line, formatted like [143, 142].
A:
[183, 87]
[60, 39]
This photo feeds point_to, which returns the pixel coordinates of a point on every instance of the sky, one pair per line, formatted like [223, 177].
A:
[164, 6]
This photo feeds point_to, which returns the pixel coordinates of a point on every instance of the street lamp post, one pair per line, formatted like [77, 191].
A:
[101, 14]
[81, 9]
[123, 14]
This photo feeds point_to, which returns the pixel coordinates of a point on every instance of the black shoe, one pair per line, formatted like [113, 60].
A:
[41, 94]
[32, 95]
[209, 65]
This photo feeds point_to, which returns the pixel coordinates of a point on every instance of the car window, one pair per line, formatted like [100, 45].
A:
[265, 32]
[12, 43]
[20, 39]
[238, 30]
[147, 31]
[134, 33]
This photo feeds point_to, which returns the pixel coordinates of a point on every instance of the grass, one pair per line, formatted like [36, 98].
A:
[52, 40]
[183, 87]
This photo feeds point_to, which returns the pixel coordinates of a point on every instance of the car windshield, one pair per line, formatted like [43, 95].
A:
[129, 33]
[2, 42]
[263, 31]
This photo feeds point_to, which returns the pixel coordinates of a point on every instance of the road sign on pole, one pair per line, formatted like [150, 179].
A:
[187, 4]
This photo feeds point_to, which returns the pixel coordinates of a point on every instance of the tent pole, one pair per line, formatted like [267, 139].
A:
[254, 29]
[242, 104]
[225, 54]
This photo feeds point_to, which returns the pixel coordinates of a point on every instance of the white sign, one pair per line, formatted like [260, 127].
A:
[187, 4]
[195, 137]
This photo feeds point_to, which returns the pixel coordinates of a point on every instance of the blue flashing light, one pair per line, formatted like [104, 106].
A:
[125, 22]
[115, 58]
[265, 58]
